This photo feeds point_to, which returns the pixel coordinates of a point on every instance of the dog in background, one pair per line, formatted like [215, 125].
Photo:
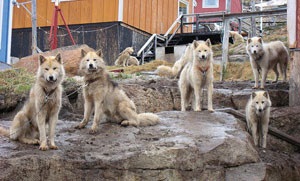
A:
[266, 56]
[103, 97]
[125, 59]
[196, 75]
[257, 116]
[42, 108]
[174, 72]
[237, 38]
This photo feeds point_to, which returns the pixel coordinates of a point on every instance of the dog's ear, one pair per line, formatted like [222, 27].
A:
[99, 53]
[83, 53]
[58, 58]
[42, 59]
[208, 43]
[249, 40]
[265, 94]
[259, 40]
[195, 44]
[253, 95]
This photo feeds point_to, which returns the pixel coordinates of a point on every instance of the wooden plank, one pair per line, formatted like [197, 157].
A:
[125, 10]
[96, 15]
[165, 13]
[137, 17]
[130, 12]
[64, 6]
[75, 12]
[49, 13]
[291, 23]
[159, 21]
[272, 131]
[27, 20]
[143, 17]
[41, 13]
[18, 17]
[154, 16]
[148, 15]
[86, 11]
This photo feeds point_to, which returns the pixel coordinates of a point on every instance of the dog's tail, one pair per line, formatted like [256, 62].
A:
[165, 71]
[4, 132]
[147, 119]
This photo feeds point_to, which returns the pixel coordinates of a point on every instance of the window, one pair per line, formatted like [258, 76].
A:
[183, 8]
[210, 3]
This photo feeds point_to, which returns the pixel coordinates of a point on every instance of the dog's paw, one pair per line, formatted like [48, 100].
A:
[125, 123]
[79, 126]
[53, 147]
[198, 110]
[44, 147]
[211, 110]
[93, 131]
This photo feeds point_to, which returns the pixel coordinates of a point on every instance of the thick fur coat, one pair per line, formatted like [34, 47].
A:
[267, 56]
[103, 97]
[43, 106]
[197, 75]
[258, 116]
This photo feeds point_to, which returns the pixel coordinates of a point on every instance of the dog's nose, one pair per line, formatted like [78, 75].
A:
[51, 78]
[203, 56]
[254, 51]
[91, 66]
[260, 110]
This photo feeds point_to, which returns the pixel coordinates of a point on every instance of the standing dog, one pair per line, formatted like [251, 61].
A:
[105, 97]
[257, 116]
[124, 56]
[173, 72]
[42, 107]
[266, 56]
[196, 75]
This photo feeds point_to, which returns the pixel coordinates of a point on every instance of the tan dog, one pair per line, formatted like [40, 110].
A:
[124, 56]
[105, 98]
[257, 116]
[132, 61]
[197, 75]
[237, 38]
[173, 72]
[267, 56]
[42, 107]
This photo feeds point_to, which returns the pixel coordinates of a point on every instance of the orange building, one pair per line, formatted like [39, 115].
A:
[152, 16]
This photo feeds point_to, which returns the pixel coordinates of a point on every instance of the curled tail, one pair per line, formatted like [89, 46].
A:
[4, 132]
[147, 119]
[165, 71]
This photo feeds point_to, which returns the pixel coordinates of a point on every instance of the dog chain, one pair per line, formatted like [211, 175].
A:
[47, 98]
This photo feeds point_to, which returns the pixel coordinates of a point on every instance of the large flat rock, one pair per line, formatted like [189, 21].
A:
[184, 146]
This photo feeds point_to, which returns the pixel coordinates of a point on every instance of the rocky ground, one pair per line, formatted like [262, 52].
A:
[185, 146]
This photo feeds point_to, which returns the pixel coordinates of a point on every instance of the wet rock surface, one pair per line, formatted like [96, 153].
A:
[184, 146]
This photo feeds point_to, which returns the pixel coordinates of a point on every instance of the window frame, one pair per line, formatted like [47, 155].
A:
[187, 8]
[204, 5]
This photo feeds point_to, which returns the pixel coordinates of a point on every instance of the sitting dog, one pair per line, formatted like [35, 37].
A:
[42, 108]
[103, 97]
[124, 56]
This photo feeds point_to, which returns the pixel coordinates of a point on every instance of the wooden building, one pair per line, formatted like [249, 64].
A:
[152, 16]
[210, 6]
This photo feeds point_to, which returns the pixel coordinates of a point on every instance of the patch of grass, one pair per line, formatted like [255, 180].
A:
[15, 81]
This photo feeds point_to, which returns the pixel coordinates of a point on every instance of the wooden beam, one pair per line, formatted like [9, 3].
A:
[272, 131]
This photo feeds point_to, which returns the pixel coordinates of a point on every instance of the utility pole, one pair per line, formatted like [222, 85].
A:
[34, 27]
[225, 41]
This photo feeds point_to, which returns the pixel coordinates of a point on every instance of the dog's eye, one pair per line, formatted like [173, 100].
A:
[262, 102]
[256, 102]
[252, 46]
[46, 69]
[54, 68]
[256, 45]
[205, 50]
[95, 60]
[87, 60]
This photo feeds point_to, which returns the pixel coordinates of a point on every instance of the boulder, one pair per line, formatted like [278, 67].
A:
[184, 146]
[71, 56]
